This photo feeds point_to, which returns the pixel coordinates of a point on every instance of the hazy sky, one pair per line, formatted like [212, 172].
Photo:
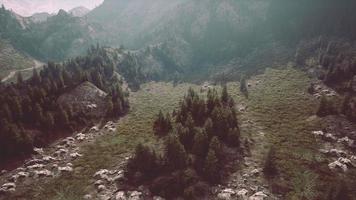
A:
[28, 7]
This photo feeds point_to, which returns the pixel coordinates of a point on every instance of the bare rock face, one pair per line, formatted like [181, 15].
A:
[86, 99]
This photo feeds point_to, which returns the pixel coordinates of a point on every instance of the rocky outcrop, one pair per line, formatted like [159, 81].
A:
[85, 99]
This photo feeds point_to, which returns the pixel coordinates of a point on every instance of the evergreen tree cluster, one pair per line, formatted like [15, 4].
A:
[32, 104]
[195, 142]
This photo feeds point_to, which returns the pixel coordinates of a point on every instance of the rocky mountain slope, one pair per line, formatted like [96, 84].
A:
[11, 59]
[79, 11]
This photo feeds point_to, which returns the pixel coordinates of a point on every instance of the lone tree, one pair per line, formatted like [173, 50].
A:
[243, 87]
[326, 107]
[270, 168]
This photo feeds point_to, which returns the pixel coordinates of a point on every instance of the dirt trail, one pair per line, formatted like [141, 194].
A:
[37, 64]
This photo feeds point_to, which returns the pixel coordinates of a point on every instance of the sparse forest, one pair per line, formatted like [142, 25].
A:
[195, 141]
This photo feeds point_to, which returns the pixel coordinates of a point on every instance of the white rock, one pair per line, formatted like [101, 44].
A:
[337, 152]
[23, 174]
[243, 194]
[112, 129]
[158, 198]
[61, 152]
[258, 196]
[135, 195]
[8, 187]
[101, 173]
[43, 173]
[94, 128]
[330, 136]
[338, 164]
[345, 161]
[75, 155]
[36, 166]
[255, 172]
[48, 158]
[120, 196]
[318, 133]
[65, 169]
[99, 182]
[87, 197]
[226, 194]
[80, 137]
[101, 188]
[345, 140]
[38, 151]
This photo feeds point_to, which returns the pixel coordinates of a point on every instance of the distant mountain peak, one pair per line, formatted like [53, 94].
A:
[79, 11]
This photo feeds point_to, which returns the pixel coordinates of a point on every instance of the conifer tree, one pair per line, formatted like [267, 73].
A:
[243, 87]
[211, 167]
[225, 95]
[175, 154]
[270, 167]
[19, 78]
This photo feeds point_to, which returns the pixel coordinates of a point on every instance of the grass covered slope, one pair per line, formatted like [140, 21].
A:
[278, 105]
[109, 151]
[11, 59]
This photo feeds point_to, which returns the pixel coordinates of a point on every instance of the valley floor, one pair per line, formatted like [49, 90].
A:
[275, 114]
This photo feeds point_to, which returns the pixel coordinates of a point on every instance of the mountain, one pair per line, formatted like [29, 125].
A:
[79, 11]
[40, 17]
[11, 59]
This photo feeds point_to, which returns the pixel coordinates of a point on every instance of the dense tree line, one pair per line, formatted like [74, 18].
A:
[194, 151]
[29, 112]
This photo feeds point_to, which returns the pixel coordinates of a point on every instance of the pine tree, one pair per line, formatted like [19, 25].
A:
[325, 107]
[270, 167]
[211, 167]
[36, 79]
[243, 87]
[19, 78]
[175, 154]
[201, 143]
[217, 147]
[233, 137]
[225, 95]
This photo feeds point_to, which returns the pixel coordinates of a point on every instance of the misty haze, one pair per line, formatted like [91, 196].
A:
[177, 100]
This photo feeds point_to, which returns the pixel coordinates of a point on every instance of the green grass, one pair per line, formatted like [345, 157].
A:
[11, 59]
[108, 151]
[279, 106]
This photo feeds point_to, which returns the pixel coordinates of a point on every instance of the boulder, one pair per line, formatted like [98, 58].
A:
[80, 137]
[48, 159]
[23, 174]
[43, 173]
[135, 195]
[318, 133]
[243, 194]
[346, 161]
[36, 166]
[337, 153]
[65, 169]
[258, 196]
[158, 198]
[75, 155]
[101, 188]
[87, 197]
[346, 141]
[85, 98]
[94, 129]
[337, 165]
[329, 137]
[101, 173]
[226, 194]
[60, 152]
[38, 151]
[255, 172]
[3, 172]
[120, 196]
[8, 187]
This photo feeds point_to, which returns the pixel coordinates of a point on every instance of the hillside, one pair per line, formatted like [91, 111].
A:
[11, 59]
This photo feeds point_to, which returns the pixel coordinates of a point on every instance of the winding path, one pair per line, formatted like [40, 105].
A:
[37, 64]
